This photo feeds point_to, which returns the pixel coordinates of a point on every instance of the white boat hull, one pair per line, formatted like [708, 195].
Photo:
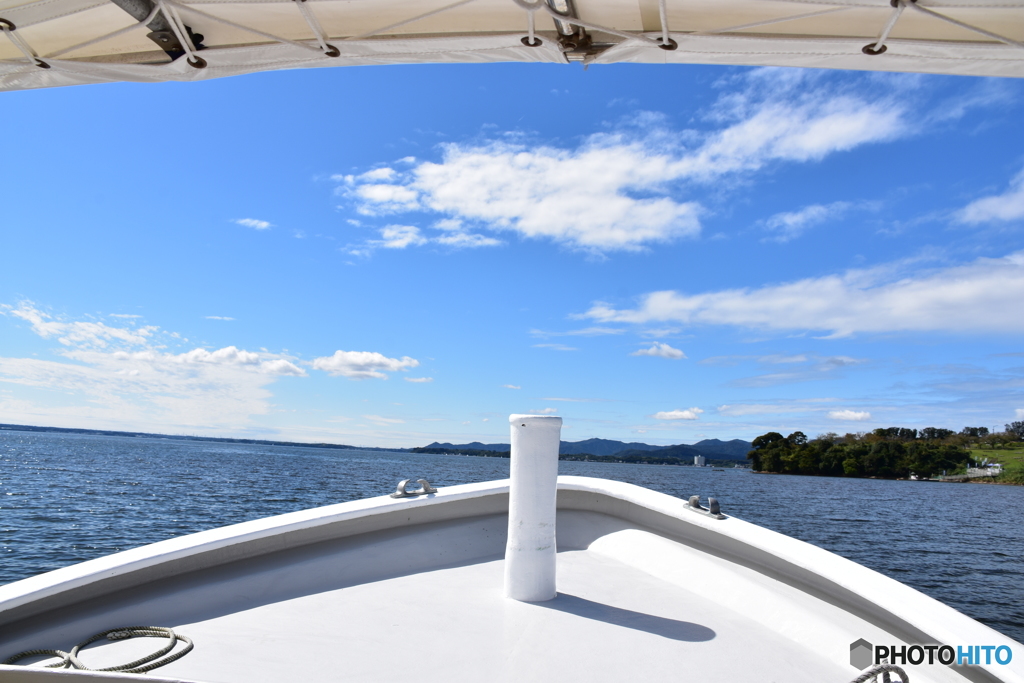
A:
[363, 591]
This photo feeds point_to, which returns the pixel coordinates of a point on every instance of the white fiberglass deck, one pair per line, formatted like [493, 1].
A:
[378, 589]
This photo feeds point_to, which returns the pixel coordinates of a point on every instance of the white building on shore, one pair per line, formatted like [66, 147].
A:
[698, 461]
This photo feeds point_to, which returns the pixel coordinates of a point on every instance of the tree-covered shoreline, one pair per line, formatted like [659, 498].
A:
[889, 453]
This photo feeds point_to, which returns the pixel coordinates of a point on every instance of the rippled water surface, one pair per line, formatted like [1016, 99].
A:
[67, 498]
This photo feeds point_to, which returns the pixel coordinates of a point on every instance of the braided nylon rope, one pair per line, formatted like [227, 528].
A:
[70, 660]
[882, 669]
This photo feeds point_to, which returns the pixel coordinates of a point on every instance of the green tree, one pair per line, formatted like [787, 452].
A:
[766, 455]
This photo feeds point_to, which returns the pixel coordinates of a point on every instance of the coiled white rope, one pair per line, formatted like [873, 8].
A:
[883, 669]
[70, 660]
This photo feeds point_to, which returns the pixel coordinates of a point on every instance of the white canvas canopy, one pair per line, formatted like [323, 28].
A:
[67, 42]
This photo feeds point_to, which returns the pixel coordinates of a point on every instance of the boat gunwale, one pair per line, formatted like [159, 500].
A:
[898, 608]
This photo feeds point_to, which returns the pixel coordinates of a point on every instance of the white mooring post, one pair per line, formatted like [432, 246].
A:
[530, 553]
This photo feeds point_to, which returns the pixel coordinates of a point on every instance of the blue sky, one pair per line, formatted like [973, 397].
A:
[390, 256]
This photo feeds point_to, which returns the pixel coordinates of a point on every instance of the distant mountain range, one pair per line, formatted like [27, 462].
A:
[735, 449]
[709, 448]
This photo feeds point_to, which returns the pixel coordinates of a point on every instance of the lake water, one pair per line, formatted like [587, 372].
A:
[68, 498]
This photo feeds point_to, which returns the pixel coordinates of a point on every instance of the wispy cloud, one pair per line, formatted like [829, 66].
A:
[253, 223]
[1008, 206]
[383, 421]
[572, 400]
[776, 408]
[789, 225]
[555, 347]
[585, 332]
[418, 380]
[405, 236]
[79, 333]
[399, 237]
[972, 298]
[660, 350]
[801, 369]
[545, 411]
[362, 364]
[850, 415]
[511, 386]
[127, 376]
[218, 317]
[690, 414]
[466, 240]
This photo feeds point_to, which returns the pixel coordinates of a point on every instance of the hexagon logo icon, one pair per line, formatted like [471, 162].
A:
[860, 654]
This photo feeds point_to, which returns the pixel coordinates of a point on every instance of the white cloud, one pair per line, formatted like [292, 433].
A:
[582, 198]
[381, 198]
[545, 411]
[379, 174]
[595, 331]
[157, 393]
[585, 332]
[78, 333]
[690, 414]
[380, 420]
[218, 317]
[229, 355]
[850, 415]
[628, 189]
[570, 400]
[362, 364]
[1020, 413]
[790, 225]
[418, 380]
[796, 128]
[399, 237]
[587, 197]
[660, 350]
[124, 376]
[966, 299]
[465, 240]
[253, 223]
[511, 386]
[555, 347]
[813, 368]
[777, 359]
[403, 236]
[740, 410]
[129, 316]
[1008, 206]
